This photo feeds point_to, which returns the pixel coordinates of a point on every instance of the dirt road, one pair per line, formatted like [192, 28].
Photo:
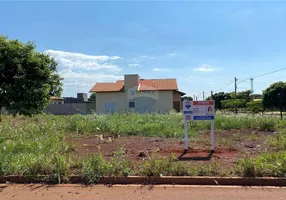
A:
[134, 192]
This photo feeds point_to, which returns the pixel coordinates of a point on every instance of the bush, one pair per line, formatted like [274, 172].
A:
[267, 164]
[155, 166]
[255, 107]
[278, 141]
[95, 167]
[118, 165]
[170, 166]
[233, 103]
[246, 168]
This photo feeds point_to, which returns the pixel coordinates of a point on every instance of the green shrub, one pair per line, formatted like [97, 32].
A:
[255, 107]
[155, 166]
[267, 164]
[118, 165]
[278, 141]
[208, 170]
[233, 103]
[94, 168]
[246, 168]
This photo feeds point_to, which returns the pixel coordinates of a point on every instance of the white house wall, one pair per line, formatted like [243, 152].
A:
[163, 101]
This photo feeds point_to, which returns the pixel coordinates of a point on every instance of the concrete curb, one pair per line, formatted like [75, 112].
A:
[167, 180]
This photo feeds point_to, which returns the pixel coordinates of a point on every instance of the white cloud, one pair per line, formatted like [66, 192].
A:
[205, 68]
[172, 54]
[159, 69]
[88, 78]
[243, 13]
[82, 82]
[72, 60]
[133, 65]
[81, 71]
[147, 57]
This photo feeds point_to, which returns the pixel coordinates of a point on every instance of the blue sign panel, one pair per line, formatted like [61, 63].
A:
[188, 112]
[203, 117]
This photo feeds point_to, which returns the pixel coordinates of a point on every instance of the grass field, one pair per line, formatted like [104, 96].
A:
[45, 145]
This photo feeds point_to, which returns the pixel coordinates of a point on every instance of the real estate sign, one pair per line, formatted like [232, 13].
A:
[198, 110]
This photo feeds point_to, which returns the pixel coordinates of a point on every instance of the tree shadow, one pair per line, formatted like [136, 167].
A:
[195, 158]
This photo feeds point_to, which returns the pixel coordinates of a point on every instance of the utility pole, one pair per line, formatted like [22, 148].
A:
[194, 98]
[211, 94]
[251, 85]
[235, 90]
[203, 95]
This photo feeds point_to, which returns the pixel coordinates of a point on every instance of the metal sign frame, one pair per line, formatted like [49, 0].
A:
[198, 110]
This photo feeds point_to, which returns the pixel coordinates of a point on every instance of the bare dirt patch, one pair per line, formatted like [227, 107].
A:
[230, 145]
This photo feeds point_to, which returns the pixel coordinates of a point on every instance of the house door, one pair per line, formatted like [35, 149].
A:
[177, 106]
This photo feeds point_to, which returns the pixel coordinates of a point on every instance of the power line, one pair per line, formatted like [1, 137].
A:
[265, 74]
[243, 80]
[231, 82]
[269, 73]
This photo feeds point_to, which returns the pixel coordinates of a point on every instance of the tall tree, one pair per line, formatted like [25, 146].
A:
[93, 97]
[274, 97]
[187, 98]
[218, 98]
[257, 96]
[246, 95]
[28, 78]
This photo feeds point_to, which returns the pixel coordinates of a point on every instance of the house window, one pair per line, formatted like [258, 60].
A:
[110, 107]
[131, 104]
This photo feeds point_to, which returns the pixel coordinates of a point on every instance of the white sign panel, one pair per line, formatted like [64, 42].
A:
[199, 110]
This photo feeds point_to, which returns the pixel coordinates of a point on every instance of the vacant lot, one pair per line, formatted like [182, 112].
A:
[134, 144]
[230, 145]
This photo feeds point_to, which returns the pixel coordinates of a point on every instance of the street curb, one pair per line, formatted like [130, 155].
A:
[166, 180]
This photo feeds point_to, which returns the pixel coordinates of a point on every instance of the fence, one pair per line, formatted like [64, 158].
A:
[70, 108]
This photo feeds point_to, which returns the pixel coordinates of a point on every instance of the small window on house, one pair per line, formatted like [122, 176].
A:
[131, 104]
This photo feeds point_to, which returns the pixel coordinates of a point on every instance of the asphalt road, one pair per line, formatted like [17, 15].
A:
[134, 192]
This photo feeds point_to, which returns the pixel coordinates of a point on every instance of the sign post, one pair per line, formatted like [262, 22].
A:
[186, 134]
[198, 110]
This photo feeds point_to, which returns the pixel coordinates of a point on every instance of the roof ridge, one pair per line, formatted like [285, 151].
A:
[160, 79]
[144, 84]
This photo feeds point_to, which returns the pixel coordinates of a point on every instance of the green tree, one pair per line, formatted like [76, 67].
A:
[274, 97]
[218, 98]
[187, 98]
[28, 78]
[93, 97]
[242, 95]
[233, 104]
[256, 96]
[255, 106]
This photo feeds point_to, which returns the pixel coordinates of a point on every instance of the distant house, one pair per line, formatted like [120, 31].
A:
[57, 100]
[140, 95]
[81, 98]
[71, 105]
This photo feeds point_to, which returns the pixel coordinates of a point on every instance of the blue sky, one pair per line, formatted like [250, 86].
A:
[202, 44]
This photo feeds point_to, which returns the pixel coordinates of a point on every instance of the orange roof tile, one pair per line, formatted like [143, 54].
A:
[158, 84]
[145, 84]
[108, 87]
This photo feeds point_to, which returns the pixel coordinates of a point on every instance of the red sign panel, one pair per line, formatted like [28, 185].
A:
[203, 103]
